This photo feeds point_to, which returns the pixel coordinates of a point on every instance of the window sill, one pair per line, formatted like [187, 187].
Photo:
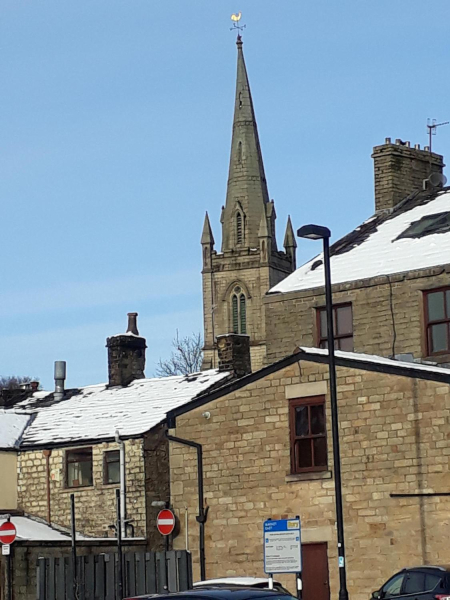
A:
[80, 488]
[308, 476]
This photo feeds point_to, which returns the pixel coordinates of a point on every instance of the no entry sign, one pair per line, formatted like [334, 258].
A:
[165, 522]
[7, 533]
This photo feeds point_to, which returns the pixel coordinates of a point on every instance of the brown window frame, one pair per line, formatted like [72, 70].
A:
[106, 463]
[68, 461]
[321, 341]
[293, 404]
[429, 324]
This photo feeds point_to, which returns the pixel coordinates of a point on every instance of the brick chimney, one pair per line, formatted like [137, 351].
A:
[126, 355]
[400, 170]
[234, 353]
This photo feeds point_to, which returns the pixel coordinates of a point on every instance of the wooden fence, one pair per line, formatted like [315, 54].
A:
[143, 573]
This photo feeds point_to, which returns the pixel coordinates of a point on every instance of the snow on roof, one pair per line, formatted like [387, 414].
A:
[12, 426]
[29, 529]
[375, 249]
[96, 412]
[380, 360]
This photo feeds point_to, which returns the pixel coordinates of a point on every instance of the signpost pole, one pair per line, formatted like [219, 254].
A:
[299, 586]
[270, 581]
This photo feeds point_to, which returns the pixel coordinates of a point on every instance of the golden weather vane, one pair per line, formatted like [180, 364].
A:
[236, 18]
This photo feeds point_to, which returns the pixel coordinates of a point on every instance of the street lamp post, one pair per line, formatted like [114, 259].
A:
[317, 232]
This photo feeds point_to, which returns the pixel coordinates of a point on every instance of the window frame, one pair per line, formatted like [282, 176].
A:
[67, 462]
[337, 337]
[238, 301]
[293, 404]
[105, 467]
[429, 324]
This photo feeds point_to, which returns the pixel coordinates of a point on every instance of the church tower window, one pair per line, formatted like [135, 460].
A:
[239, 311]
[239, 228]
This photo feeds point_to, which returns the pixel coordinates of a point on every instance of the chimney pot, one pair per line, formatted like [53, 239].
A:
[417, 146]
[408, 144]
[60, 376]
[426, 148]
[132, 323]
[234, 354]
[387, 141]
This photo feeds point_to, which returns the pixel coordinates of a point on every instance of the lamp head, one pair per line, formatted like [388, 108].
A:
[314, 232]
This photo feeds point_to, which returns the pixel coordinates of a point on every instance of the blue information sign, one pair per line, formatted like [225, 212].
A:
[282, 546]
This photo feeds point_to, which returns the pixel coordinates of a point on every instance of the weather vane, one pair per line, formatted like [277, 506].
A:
[236, 18]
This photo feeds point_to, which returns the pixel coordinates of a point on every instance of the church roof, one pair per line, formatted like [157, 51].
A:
[95, 412]
[414, 236]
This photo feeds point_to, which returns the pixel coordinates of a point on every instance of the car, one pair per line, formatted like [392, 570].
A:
[417, 583]
[253, 582]
[220, 593]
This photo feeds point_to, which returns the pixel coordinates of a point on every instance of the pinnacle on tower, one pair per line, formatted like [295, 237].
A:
[290, 243]
[207, 234]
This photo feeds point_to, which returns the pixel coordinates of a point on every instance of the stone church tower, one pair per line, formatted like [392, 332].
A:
[249, 264]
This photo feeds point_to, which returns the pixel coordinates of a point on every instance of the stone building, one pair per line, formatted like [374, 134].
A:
[390, 275]
[267, 453]
[249, 264]
[391, 278]
[70, 444]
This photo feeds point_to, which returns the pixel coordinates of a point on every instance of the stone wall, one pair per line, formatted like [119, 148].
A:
[387, 315]
[8, 477]
[95, 505]
[394, 432]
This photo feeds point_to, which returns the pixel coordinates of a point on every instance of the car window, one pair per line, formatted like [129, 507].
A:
[431, 581]
[415, 582]
[393, 586]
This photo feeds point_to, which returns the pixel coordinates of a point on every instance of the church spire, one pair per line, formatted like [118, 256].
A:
[247, 194]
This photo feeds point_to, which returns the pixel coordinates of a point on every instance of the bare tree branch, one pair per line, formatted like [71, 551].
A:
[185, 358]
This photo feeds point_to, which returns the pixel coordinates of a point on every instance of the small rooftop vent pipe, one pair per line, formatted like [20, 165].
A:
[60, 376]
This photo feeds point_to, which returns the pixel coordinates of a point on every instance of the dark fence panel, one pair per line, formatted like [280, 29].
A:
[144, 573]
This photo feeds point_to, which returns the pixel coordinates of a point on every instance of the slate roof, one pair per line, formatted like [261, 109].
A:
[12, 426]
[94, 413]
[415, 235]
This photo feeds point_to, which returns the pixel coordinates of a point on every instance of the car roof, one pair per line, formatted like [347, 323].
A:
[232, 593]
[443, 568]
[243, 581]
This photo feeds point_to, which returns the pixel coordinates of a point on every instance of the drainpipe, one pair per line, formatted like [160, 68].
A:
[122, 484]
[202, 513]
[47, 454]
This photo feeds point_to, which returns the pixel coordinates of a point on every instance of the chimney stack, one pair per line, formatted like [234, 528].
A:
[126, 355]
[60, 377]
[234, 354]
[400, 171]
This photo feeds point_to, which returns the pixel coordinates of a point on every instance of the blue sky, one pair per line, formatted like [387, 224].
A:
[115, 120]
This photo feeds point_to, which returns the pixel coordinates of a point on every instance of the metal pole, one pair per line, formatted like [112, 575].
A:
[9, 574]
[74, 547]
[299, 586]
[202, 513]
[343, 592]
[119, 581]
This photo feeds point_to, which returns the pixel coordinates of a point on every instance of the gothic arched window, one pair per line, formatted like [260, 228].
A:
[239, 228]
[239, 311]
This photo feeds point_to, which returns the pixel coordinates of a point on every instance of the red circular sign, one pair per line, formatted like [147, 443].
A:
[7, 533]
[165, 522]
